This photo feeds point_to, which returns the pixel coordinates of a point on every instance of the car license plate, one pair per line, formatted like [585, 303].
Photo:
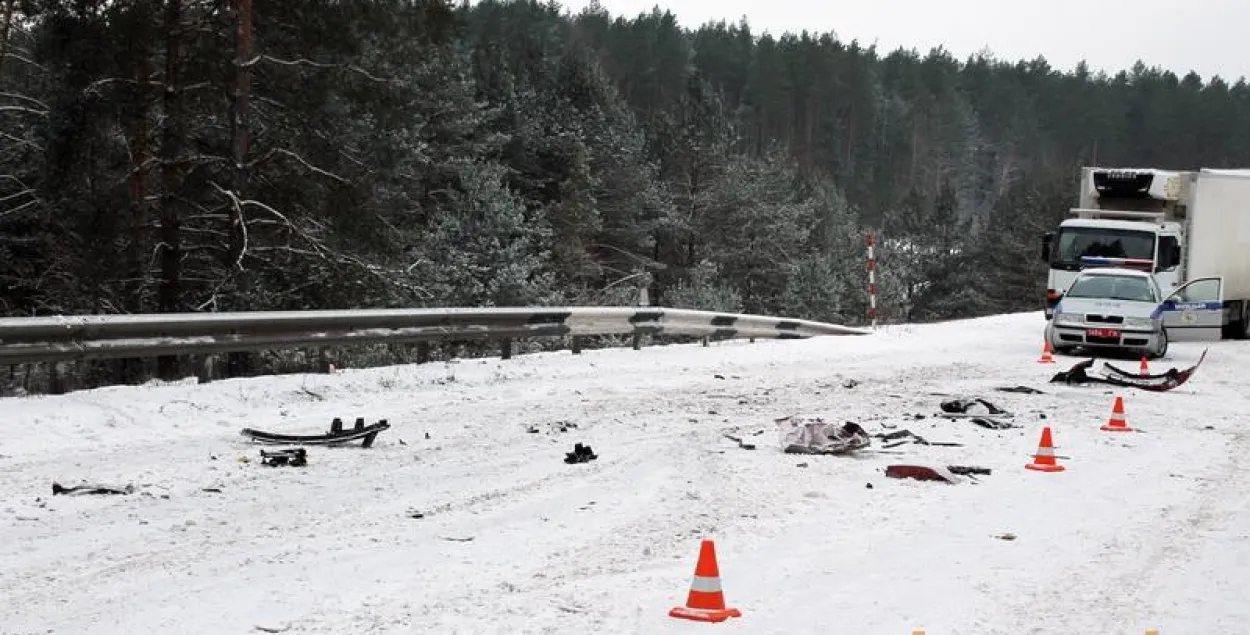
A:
[1104, 333]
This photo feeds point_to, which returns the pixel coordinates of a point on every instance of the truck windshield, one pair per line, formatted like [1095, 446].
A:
[1113, 287]
[1074, 243]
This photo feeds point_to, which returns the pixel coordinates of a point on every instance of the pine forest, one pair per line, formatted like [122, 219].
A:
[194, 155]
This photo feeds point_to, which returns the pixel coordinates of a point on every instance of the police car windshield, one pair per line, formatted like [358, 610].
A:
[1113, 287]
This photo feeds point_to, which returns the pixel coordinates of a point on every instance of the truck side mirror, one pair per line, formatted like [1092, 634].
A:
[1047, 239]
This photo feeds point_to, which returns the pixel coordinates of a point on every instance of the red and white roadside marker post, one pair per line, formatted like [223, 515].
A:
[872, 278]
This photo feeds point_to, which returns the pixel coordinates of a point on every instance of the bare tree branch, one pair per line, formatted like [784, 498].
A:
[19, 208]
[20, 183]
[306, 62]
[40, 113]
[343, 149]
[279, 151]
[25, 192]
[97, 86]
[26, 98]
[20, 141]
[194, 160]
[21, 58]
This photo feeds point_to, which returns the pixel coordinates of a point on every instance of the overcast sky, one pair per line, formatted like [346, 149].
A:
[1211, 37]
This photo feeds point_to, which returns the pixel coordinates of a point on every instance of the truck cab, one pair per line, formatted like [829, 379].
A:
[1126, 218]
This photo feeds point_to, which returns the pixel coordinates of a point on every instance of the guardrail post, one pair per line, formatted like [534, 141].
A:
[56, 378]
[423, 352]
[577, 345]
[506, 348]
[637, 341]
[204, 368]
[705, 341]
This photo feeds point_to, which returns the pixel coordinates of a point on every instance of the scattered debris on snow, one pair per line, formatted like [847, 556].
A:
[553, 427]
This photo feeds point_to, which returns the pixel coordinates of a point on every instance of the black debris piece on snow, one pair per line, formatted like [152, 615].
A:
[993, 424]
[337, 435]
[295, 457]
[903, 437]
[59, 490]
[971, 406]
[580, 454]
[967, 470]
[1023, 390]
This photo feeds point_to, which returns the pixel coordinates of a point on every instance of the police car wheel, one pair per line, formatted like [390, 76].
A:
[1162, 349]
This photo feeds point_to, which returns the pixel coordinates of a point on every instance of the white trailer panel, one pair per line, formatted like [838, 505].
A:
[1219, 230]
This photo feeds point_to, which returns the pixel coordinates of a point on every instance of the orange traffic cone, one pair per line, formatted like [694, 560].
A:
[1117, 422]
[1044, 460]
[1046, 357]
[706, 602]
[1145, 366]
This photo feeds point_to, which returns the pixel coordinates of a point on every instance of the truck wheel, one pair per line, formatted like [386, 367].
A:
[1239, 327]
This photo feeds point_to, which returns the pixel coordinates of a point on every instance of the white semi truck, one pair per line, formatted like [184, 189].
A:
[1182, 226]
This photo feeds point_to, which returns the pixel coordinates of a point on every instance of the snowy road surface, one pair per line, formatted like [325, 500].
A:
[1143, 530]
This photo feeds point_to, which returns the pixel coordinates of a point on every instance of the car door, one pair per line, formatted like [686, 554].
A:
[1194, 312]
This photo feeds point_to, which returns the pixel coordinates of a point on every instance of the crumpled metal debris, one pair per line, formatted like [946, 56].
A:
[803, 435]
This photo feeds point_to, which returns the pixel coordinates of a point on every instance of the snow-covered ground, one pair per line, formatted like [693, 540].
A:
[1144, 530]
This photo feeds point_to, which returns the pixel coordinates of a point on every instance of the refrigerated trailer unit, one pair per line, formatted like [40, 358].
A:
[1190, 229]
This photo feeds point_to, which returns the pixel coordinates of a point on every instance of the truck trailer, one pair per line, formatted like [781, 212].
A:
[1181, 226]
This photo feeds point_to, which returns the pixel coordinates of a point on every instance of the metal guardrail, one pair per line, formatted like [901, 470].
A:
[69, 338]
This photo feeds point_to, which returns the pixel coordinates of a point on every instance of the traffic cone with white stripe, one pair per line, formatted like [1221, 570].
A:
[1044, 460]
[1144, 369]
[1046, 357]
[706, 602]
[1117, 422]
